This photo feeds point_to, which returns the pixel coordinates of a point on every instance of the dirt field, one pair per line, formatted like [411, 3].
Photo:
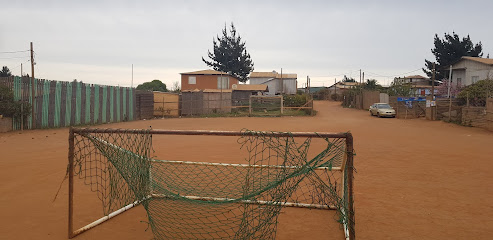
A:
[415, 179]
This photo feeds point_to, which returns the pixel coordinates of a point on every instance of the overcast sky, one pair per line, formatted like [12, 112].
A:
[98, 41]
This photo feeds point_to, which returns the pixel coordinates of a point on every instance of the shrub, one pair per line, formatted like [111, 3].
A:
[9, 107]
[297, 100]
[477, 93]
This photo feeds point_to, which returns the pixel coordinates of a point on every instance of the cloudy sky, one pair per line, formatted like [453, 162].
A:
[98, 41]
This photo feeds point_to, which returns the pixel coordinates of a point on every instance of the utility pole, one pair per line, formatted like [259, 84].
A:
[309, 84]
[360, 77]
[433, 93]
[21, 70]
[306, 85]
[282, 84]
[360, 90]
[33, 114]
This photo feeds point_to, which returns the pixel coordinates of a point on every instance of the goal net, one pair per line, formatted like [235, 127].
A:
[205, 200]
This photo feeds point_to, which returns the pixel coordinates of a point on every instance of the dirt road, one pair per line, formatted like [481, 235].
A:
[415, 179]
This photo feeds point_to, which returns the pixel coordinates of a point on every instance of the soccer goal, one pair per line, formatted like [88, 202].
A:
[212, 200]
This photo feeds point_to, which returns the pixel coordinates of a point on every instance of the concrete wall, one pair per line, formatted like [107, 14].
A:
[384, 98]
[5, 124]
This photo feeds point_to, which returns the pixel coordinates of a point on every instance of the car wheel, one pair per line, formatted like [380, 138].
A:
[378, 114]
[371, 114]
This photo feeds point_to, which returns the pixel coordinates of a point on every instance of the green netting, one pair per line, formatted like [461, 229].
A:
[190, 200]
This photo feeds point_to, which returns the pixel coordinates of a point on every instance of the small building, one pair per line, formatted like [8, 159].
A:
[469, 70]
[277, 83]
[207, 79]
[242, 92]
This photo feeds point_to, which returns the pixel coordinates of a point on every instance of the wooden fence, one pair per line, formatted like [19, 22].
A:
[62, 104]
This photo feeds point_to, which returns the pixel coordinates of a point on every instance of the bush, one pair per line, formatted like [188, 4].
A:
[11, 108]
[297, 100]
[477, 93]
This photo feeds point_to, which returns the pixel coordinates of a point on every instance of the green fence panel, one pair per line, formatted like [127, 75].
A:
[58, 103]
[46, 104]
[118, 104]
[112, 103]
[88, 104]
[68, 104]
[78, 101]
[96, 104]
[125, 115]
[104, 103]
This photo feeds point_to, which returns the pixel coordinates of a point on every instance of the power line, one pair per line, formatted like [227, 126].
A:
[15, 57]
[16, 51]
[20, 65]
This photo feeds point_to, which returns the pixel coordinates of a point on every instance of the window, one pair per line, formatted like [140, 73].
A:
[459, 82]
[192, 80]
[222, 82]
[475, 79]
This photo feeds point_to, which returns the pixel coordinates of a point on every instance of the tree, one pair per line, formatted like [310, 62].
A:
[176, 87]
[230, 55]
[5, 72]
[442, 89]
[154, 85]
[401, 90]
[346, 79]
[448, 51]
[371, 84]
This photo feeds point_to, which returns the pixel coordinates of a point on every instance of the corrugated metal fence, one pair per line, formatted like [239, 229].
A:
[62, 104]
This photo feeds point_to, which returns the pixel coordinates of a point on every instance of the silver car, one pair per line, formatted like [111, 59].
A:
[382, 110]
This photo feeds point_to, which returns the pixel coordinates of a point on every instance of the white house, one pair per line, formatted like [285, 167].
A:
[469, 70]
[277, 83]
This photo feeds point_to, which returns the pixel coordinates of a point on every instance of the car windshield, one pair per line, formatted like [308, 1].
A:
[383, 106]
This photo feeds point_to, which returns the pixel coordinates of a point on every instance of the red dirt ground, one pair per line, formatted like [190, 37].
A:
[415, 179]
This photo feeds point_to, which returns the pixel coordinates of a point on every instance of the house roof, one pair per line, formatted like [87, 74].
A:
[250, 87]
[263, 74]
[208, 90]
[416, 77]
[272, 75]
[206, 72]
[488, 61]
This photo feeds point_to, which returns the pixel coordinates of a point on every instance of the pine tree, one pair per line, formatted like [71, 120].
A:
[230, 55]
[448, 51]
[5, 72]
